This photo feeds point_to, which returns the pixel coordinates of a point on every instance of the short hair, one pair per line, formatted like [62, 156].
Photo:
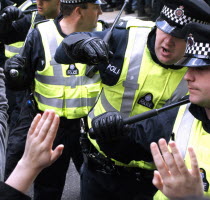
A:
[67, 9]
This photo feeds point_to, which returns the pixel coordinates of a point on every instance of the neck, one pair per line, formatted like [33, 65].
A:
[208, 112]
[68, 26]
[53, 15]
[72, 24]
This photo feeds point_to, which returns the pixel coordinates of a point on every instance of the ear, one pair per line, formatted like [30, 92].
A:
[78, 11]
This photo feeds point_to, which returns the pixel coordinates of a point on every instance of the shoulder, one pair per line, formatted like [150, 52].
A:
[135, 22]
[36, 24]
[104, 24]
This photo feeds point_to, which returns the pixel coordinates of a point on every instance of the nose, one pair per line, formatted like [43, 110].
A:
[169, 40]
[99, 11]
[189, 76]
[38, 2]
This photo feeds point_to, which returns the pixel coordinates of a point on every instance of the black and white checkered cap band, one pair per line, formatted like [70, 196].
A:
[75, 1]
[182, 20]
[198, 49]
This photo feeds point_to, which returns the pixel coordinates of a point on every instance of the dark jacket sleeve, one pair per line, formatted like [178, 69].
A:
[117, 45]
[136, 145]
[18, 30]
[9, 193]
[34, 60]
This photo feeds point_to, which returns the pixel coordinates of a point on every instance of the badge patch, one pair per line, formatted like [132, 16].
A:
[179, 12]
[190, 40]
[147, 101]
[112, 70]
[204, 179]
[72, 70]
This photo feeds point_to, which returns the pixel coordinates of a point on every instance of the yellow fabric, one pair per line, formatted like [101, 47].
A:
[149, 81]
[62, 92]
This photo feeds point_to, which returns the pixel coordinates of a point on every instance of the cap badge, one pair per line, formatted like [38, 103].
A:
[190, 40]
[179, 12]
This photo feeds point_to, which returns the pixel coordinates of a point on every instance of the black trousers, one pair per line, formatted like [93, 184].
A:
[50, 182]
[97, 185]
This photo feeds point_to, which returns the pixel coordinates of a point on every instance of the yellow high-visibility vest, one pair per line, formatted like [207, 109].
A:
[63, 88]
[142, 86]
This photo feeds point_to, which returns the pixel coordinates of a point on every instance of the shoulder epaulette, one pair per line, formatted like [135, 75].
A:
[121, 24]
[41, 21]
[105, 25]
[139, 23]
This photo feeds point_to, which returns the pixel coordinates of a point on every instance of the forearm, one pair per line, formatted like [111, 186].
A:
[22, 177]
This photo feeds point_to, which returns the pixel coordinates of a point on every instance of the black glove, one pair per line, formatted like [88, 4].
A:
[109, 127]
[14, 67]
[82, 48]
[7, 16]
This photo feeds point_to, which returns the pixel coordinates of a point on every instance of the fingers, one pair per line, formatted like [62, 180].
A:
[34, 124]
[51, 129]
[48, 127]
[194, 162]
[168, 157]
[45, 126]
[40, 123]
[180, 165]
[158, 159]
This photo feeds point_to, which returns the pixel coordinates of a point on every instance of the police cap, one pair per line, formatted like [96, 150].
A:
[99, 2]
[177, 13]
[197, 53]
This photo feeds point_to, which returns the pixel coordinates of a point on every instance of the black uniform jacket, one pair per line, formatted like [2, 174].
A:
[9, 193]
[19, 29]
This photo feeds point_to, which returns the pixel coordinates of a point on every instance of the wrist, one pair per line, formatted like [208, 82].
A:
[22, 176]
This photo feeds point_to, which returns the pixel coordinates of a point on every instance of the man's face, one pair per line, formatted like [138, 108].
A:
[198, 79]
[90, 16]
[48, 8]
[168, 49]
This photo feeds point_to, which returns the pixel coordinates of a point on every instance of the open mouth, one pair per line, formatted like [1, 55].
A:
[165, 50]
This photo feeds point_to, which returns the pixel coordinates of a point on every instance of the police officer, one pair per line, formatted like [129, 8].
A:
[192, 125]
[63, 88]
[139, 76]
[12, 26]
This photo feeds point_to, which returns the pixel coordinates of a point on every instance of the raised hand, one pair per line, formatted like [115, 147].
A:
[38, 152]
[173, 178]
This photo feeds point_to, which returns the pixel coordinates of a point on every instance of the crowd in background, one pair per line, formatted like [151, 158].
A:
[147, 8]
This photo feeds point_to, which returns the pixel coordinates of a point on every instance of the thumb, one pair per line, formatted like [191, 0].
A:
[57, 153]
[157, 180]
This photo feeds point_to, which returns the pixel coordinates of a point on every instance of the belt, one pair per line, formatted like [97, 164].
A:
[99, 163]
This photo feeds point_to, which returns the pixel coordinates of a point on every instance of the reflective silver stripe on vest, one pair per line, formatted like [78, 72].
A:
[184, 131]
[181, 90]
[61, 103]
[131, 81]
[12, 49]
[72, 81]
[25, 5]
